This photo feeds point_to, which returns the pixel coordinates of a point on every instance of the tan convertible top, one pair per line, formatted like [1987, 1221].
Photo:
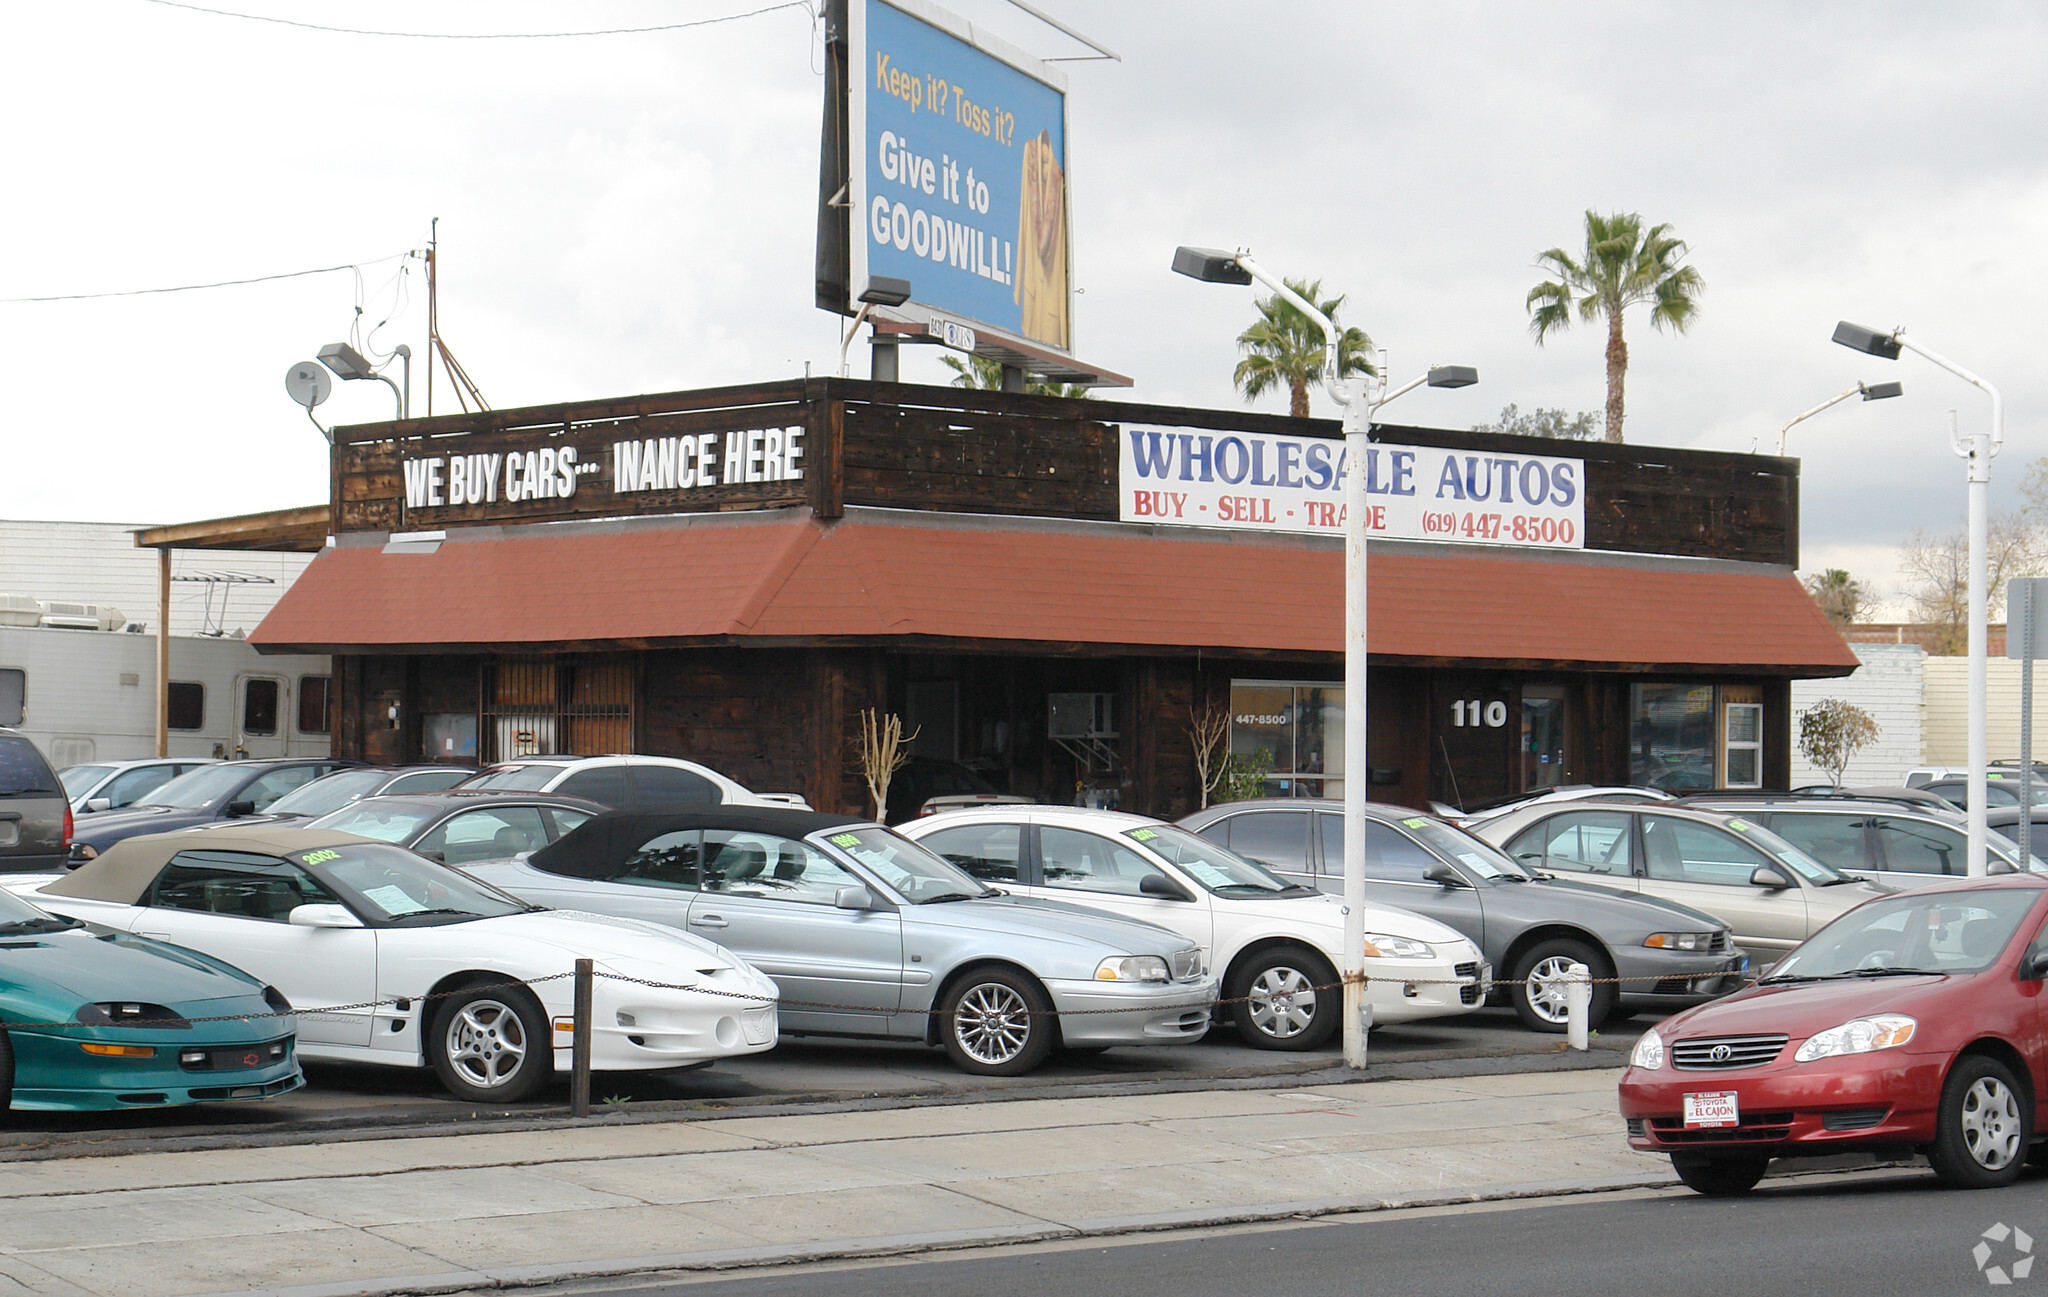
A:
[122, 872]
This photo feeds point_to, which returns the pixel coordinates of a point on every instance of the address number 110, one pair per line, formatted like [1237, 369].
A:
[1472, 712]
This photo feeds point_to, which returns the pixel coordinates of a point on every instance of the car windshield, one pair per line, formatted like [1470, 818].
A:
[17, 915]
[324, 795]
[1214, 867]
[1911, 932]
[1813, 871]
[523, 778]
[909, 868]
[1482, 858]
[392, 884]
[376, 817]
[76, 779]
[197, 789]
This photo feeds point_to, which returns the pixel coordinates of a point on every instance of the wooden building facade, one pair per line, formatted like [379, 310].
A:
[734, 575]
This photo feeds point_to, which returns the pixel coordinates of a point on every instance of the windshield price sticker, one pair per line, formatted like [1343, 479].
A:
[1738, 826]
[1416, 823]
[320, 857]
[845, 839]
[1141, 835]
[1716, 1109]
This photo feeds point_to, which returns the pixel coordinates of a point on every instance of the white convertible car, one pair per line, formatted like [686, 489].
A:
[392, 958]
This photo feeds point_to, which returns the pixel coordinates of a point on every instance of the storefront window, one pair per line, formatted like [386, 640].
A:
[1745, 745]
[1293, 732]
[1671, 737]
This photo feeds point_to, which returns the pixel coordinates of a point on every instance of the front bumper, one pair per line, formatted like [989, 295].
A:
[1885, 1099]
[638, 1027]
[1409, 990]
[52, 1074]
[1675, 979]
[1133, 1013]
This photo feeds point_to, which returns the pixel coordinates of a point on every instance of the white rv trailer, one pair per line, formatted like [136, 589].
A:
[90, 695]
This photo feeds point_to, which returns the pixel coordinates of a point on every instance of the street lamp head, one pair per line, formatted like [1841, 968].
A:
[1880, 391]
[1452, 376]
[346, 361]
[1870, 341]
[886, 290]
[1210, 265]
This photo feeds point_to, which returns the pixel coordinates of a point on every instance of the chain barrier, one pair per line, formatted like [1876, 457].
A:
[783, 1002]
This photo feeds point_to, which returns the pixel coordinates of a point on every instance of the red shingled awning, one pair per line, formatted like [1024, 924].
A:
[875, 577]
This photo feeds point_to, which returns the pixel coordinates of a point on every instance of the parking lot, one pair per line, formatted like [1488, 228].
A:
[346, 1100]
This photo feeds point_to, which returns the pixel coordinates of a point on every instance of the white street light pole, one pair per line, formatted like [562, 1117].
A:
[1977, 449]
[1869, 392]
[1355, 395]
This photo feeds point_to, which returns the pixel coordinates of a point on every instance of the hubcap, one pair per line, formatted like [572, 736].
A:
[486, 1043]
[1991, 1124]
[1546, 989]
[992, 1023]
[1282, 1003]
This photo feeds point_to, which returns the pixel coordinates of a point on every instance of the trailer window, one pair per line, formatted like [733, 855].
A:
[188, 705]
[259, 706]
[13, 690]
[313, 695]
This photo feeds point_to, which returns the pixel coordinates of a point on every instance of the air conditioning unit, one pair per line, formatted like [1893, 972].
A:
[20, 610]
[82, 616]
[1081, 716]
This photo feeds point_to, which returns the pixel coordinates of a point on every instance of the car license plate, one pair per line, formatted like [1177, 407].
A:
[1711, 1109]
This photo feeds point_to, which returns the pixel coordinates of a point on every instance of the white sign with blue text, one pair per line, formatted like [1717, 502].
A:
[1261, 482]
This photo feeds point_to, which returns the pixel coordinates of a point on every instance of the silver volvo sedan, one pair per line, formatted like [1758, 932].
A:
[869, 934]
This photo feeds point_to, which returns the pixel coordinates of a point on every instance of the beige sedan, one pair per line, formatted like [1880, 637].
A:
[1771, 895]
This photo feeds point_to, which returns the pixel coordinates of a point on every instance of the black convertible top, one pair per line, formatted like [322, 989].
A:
[597, 848]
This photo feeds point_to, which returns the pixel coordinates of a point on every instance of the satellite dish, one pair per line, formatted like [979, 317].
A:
[308, 383]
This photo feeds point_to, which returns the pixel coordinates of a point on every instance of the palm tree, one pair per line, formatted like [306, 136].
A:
[1624, 264]
[986, 375]
[1285, 347]
[1839, 595]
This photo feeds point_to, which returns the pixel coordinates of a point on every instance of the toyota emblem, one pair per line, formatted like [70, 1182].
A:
[1720, 1054]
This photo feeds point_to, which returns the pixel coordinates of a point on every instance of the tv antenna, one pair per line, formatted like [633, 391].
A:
[465, 390]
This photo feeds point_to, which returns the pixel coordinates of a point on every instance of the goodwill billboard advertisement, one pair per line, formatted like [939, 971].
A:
[1296, 484]
[958, 170]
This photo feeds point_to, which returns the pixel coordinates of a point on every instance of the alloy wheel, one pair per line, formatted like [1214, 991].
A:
[992, 1023]
[1547, 983]
[1283, 1002]
[486, 1043]
[1991, 1124]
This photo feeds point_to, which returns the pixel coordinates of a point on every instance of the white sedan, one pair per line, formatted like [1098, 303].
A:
[1275, 943]
[389, 957]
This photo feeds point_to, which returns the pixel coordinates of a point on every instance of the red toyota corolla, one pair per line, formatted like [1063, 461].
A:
[1915, 1023]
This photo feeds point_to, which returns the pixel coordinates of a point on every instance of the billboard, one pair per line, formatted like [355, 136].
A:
[1261, 482]
[956, 173]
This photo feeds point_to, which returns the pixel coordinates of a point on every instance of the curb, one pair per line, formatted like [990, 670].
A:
[888, 1245]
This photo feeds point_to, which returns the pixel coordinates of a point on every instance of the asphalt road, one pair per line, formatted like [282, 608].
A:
[1872, 1232]
[798, 1071]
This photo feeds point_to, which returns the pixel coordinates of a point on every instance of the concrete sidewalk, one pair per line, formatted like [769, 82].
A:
[452, 1212]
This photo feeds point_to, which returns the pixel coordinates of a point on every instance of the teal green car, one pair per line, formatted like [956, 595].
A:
[93, 1020]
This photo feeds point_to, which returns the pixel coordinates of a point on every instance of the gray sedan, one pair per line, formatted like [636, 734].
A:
[1531, 928]
[869, 934]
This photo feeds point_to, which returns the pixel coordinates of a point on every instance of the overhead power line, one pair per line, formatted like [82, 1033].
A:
[193, 288]
[804, 5]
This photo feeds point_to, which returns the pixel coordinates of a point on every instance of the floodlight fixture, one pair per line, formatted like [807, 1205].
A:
[1869, 341]
[1210, 265]
[346, 361]
[886, 290]
[1452, 376]
[1868, 391]
[1880, 391]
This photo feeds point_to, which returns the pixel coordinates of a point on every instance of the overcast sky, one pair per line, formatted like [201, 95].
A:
[625, 214]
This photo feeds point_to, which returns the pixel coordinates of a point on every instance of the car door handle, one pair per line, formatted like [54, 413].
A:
[707, 921]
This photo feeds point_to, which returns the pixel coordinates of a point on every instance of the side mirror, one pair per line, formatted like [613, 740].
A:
[1997, 866]
[236, 810]
[854, 898]
[1770, 876]
[1164, 888]
[438, 857]
[2034, 967]
[1443, 875]
[99, 804]
[323, 916]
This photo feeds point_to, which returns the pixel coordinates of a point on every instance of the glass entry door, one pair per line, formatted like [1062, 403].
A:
[1543, 742]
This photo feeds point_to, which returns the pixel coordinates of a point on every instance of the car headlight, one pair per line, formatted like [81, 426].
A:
[1859, 1036]
[1649, 1051]
[1385, 945]
[1680, 941]
[1132, 968]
